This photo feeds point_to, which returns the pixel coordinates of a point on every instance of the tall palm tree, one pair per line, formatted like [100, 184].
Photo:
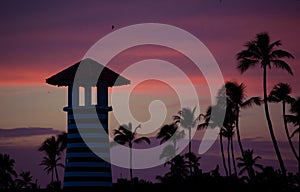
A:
[295, 120]
[52, 147]
[6, 171]
[261, 52]
[236, 98]
[281, 93]
[125, 134]
[26, 180]
[248, 162]
[169, 132]
[187, 119]
[228, 132]
[214, 121]
[222, 153]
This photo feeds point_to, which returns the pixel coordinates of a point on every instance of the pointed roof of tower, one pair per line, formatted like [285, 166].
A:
[88, 73]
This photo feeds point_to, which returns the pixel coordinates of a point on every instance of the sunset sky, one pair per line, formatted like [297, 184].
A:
[39, 39]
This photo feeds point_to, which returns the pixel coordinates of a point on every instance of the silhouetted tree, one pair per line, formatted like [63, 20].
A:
[228, 132]
[25, 180]
[281, 93]
[125, 134]
[187, 119]
[169, 132]
[236, 98]
[195, 162]
[295, 120]
[51, 160]
[178, 168]
[6, 171]
[261, 51]
[214, 120]
[248, 162]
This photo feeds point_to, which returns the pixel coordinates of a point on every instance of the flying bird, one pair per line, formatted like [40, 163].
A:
[112, 27]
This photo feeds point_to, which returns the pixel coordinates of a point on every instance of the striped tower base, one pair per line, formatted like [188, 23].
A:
[84, 170]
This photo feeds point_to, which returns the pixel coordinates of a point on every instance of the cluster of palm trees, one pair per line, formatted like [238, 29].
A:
[53, 147]
[230, 100]
[266, 54]
[9, 179]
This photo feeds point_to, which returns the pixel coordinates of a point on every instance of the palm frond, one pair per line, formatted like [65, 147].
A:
[294, 132]
[273, 99]
[275, 44]
[202, 126]
[126, 130]
[245, 63]
[290, 99]
[242, 171]
[257, 158]
[251, 101]
[281, 54]
[121, 139]
[292, 119]
[282, 64]
[168, 152]
[139, 140]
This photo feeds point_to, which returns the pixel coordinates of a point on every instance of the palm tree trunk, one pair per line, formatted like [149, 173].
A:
[190, 140]
[130, 166]
[280, 160]
[238, 131]
[287, 131]
[239, 136]
[299, 155]
[223, 156]
[233, 158]
[52, 176]
[190, 149]
[228, 156]
[56, 173]
[174, 145]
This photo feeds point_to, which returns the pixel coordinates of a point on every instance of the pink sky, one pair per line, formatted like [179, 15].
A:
[38, 39]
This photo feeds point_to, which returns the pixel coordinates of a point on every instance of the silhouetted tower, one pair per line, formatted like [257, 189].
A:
[83, 168]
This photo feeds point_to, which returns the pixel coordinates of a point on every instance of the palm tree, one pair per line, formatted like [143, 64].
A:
[261, 51]
[236, 96]
[169, 132]
[222, 152]
[6, 171]
[192, 157]
[25, 181]
[52, 147]
[186, 118]
[51, 163]
[125, 134]
[215, 121]
[178, 168]
[295, 120]
[281, 93]
[248, 162]
[228, 132]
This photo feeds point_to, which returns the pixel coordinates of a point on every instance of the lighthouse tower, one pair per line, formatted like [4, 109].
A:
[87, 166]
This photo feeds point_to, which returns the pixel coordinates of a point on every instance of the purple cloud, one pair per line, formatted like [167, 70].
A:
[27, 132]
